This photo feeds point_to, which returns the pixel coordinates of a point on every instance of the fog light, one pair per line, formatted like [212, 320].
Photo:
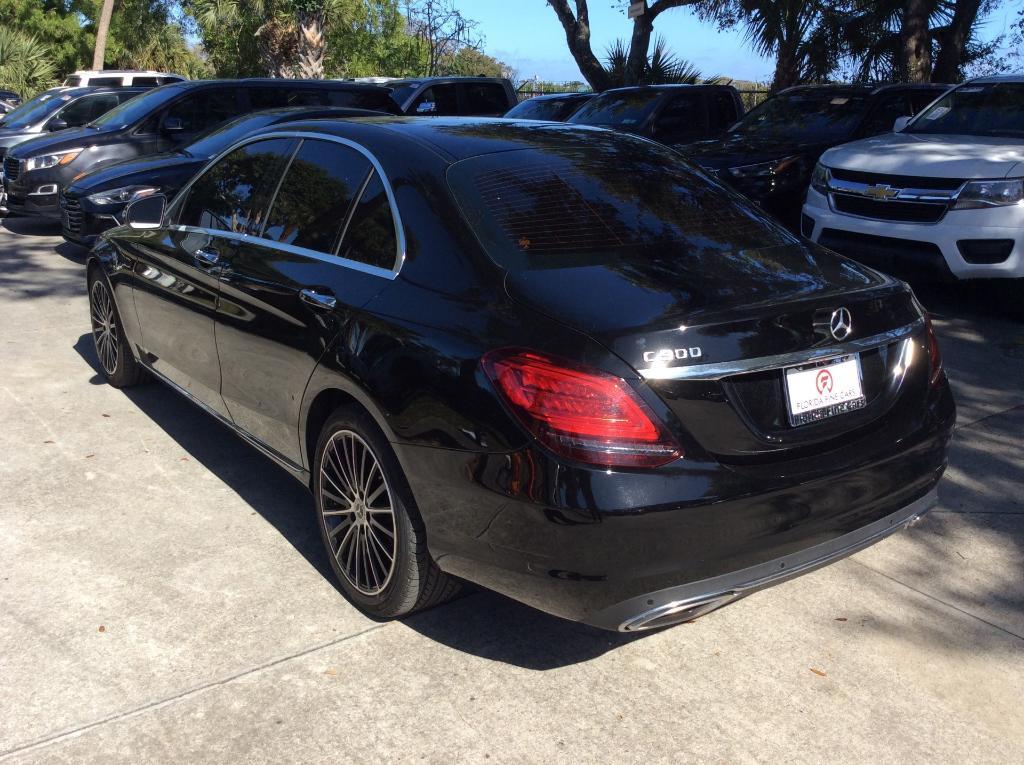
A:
[44, 190]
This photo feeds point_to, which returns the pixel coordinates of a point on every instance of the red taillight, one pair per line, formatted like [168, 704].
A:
[583, 414]
[934, 355]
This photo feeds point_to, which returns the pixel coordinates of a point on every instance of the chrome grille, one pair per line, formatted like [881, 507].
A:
[901, 198]
[12, 168]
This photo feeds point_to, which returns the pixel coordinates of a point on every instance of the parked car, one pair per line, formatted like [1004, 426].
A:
[769, 154]
[493, 355]
[95, 202]
[453, 96]
[121, 77]
[159, 121]
[553, 107]
[53, 111]
[670, 114]
[942, 197]
[10, 98]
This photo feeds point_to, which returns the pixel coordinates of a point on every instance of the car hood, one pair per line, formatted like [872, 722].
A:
[62, 139]
[155, 169]
[736, 150]
[930, 156]
[10, 137]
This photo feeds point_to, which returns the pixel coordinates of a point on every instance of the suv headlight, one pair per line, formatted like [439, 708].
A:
[121, 195]
[820, 179]
[43, 161]
[766, 169]
[996, 193]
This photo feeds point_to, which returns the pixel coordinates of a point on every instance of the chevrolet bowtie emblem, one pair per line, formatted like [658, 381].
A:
[881, 191]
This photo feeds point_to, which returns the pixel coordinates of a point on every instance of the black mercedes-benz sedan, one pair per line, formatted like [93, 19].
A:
[625, 398]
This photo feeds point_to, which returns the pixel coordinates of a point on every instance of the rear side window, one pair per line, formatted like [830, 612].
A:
[366, 99]
[370, 237]
[313, 202]
[96, 81]
[234, 193]
[204, 109]
[483, 98]
[146, 82]
[73, 82]
[682, 120]
[536, 209]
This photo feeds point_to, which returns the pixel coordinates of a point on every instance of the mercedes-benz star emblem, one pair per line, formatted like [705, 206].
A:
[841, 324]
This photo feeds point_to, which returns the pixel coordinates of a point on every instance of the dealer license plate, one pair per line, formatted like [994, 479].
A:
[817, 391]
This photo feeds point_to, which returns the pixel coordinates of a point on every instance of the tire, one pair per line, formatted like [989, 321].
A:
[116, 360]
[355, 476]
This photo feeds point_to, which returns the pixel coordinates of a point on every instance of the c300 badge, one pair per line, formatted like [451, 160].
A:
[666, 355]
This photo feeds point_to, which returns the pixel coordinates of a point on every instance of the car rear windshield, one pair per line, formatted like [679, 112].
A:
[994, 109]
[31, 112]
[136, 109]
[544, 108]
[626, 110]
[815, 116]
[559, 208]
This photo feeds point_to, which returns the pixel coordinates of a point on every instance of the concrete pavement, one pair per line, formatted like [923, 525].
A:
[163, 597]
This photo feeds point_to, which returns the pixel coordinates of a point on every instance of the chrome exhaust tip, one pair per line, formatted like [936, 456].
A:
[678, 611]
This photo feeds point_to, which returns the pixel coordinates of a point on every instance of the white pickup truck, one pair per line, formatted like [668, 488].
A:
[943, 196]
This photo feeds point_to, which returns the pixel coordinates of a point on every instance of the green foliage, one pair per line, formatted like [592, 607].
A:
[26, 66]
[375, 42]
[662, 68]
[470, 62]
[55, 24]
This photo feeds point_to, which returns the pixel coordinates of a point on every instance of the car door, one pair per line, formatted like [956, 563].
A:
[329, 244]
[437, 101]
[483, 99]
[176, 274]
[681, 119]
[189, 116]
[82, 111]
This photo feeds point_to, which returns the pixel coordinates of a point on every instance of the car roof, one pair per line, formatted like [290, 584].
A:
[667, 88]
[864, 88]
[83, 90]
[995, 78]
[548, 96]
[438, 79]
[454, 138]
[276, 82]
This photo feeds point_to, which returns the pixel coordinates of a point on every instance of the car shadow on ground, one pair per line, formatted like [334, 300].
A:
[480, 622]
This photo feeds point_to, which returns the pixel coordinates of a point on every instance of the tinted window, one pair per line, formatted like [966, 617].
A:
[273, 98]
[73, 82]
[990, 109]
[546, 108]
[484, 98]
[370, 237]
[146, 82]
[314, 199]
[86, 109]
[204, 109]
[629, 109]
[889, 107]
[536, 209]
[233, 194]
[98, 81]
[806, 116]
[722, 111]
[919, 99]
[136, 109]
[439, 100]
[372, 99]
[218, 138]
[682, 120]
[34, 111]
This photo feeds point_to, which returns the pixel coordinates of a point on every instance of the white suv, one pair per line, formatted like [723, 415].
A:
[944, 194]
[121, 77]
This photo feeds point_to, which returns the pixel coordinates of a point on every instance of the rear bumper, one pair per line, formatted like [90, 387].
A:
[921, 249]
[607, 547]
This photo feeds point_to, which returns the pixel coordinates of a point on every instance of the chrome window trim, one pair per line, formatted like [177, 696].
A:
[718, 370]
[396, 217]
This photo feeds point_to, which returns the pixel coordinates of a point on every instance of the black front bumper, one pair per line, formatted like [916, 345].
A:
[82, 223]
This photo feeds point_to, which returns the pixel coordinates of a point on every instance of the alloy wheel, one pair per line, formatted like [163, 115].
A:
[104, 326]
[358, 514]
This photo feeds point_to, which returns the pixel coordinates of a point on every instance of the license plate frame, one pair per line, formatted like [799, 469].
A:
[846, 365]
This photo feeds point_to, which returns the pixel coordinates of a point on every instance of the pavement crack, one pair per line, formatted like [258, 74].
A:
[1004, 412]
[62, 735]
[928, 595]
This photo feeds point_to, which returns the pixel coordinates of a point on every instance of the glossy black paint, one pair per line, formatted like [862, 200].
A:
[568, 538]
[783, 195]
[146, 134]
[83, 220]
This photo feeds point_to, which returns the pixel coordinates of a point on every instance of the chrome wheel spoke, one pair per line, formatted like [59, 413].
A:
[354, 492]
[104, 326]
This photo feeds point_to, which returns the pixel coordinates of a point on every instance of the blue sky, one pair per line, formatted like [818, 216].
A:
[527, 35]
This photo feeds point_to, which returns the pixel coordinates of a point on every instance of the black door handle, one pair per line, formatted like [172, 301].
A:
[323, 301]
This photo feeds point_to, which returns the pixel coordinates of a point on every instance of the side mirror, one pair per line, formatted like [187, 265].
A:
[147, 212]
[57, 124]
[900, 123]
[173, 125]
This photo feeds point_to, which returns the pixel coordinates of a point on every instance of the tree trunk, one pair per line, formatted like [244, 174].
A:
[953, 40]
[916, 41]
[102, 29]
[577, 35]
[787, 66]
[636, 63]
[312, 45]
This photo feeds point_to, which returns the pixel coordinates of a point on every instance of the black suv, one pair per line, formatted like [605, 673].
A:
[668, 114]
[454, 96]
[770, 153]
[161, 120]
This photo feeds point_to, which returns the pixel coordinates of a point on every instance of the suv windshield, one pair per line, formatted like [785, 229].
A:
[807, 116]
[135, 109]
[996, 109]
[31, 112]
[628, 109]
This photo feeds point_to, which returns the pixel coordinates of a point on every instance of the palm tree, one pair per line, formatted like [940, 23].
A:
[102, 29]
[26, 66]
[662, 67]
